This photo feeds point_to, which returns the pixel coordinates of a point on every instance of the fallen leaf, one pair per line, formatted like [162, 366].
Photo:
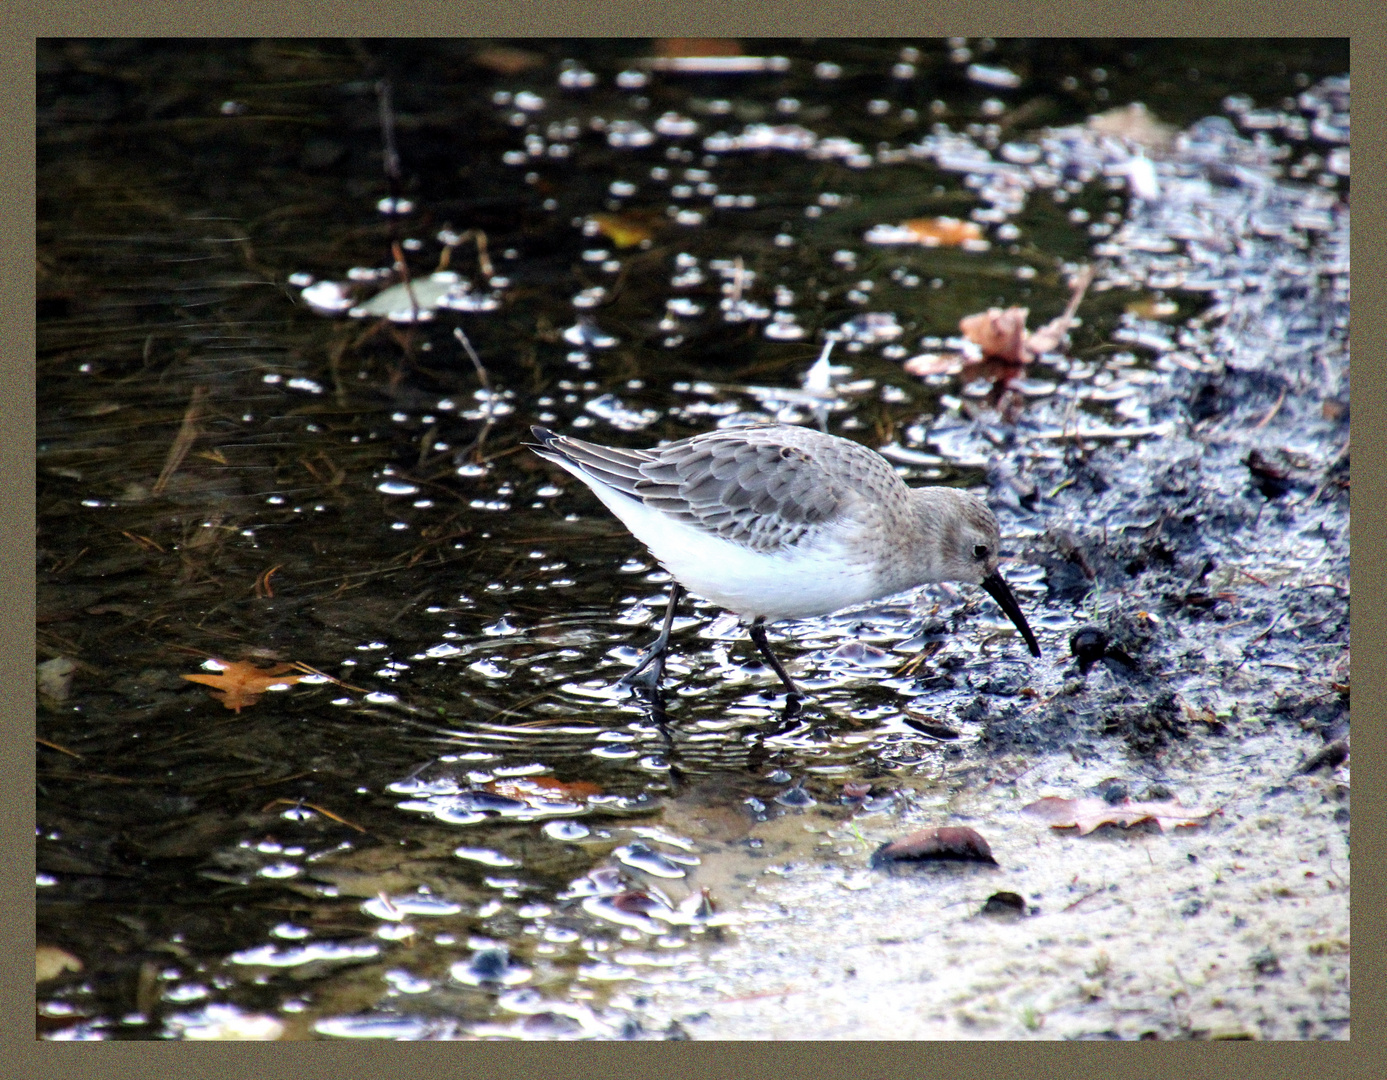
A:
[55, 677]
[1088, 814]
[51, 961]
[537, 790]
[1001, 332]
[929, 232]
[507, 60]
[625, 230]
[239, 684]
[956, 843]
[1133, 122]
[697, 47]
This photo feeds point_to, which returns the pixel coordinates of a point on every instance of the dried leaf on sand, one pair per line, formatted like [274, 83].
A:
[1088, 814]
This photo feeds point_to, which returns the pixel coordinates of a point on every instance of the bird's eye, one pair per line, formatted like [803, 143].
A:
[980, 552]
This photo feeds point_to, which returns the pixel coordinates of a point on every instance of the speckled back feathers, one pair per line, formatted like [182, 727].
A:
[762, 487]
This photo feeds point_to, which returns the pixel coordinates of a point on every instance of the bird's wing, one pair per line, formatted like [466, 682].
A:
[751, 486]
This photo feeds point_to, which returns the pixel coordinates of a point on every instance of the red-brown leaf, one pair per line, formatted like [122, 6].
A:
[1088, 814]
[949, 842]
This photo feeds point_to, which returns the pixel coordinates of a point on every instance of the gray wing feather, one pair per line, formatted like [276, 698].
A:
[761, 487]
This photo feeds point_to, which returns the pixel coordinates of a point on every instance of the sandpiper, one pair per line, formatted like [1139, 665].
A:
[779, 522]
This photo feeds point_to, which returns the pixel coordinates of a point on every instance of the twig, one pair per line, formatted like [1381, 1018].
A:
[1314, 496]
[456, 240]
[387, 131]
[402, 267]
[311, 806]
[1254, 577]
[262, 583]
[183, 441]
[1087, 896]
[299, 665]
[1268, 630]
[476, 448]
[1270, 412]
[60, 749]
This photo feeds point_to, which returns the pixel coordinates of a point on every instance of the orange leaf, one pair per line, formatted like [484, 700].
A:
[698, 47]
[239, 683]
[942, 231]
[542, 789]
[507, 60]
[624, 230]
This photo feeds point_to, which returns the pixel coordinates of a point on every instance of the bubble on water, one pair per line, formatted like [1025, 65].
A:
[673, 125]
[397, 908]
[576, 77]
[490, 966]
[566, 830]
[394, 1028]
[328, 297]
[269, 956]
[628, 134]
[641, 856]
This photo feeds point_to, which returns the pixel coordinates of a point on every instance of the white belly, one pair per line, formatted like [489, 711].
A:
[795, 584]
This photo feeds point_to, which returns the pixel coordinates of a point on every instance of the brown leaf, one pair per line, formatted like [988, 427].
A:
[507, 60]
[239, 684]
[538, 790]
[950, 842]
[999, 332]
[928, 232]
[625, 230]
[698, 47]
[1088, 814]
[942, 231]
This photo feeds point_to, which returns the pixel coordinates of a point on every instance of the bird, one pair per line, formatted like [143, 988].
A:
[775, 521]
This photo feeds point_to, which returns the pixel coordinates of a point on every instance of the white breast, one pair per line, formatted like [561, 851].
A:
[813, 578]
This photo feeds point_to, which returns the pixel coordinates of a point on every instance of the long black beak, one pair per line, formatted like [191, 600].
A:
[1000, 592]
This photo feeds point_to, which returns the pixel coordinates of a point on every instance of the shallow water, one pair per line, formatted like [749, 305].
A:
[258, 443]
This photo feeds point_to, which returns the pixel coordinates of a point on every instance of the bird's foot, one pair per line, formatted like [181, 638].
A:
[646, 675]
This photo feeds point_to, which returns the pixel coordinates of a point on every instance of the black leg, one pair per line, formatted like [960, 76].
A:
[757, 631]
[651, 668]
